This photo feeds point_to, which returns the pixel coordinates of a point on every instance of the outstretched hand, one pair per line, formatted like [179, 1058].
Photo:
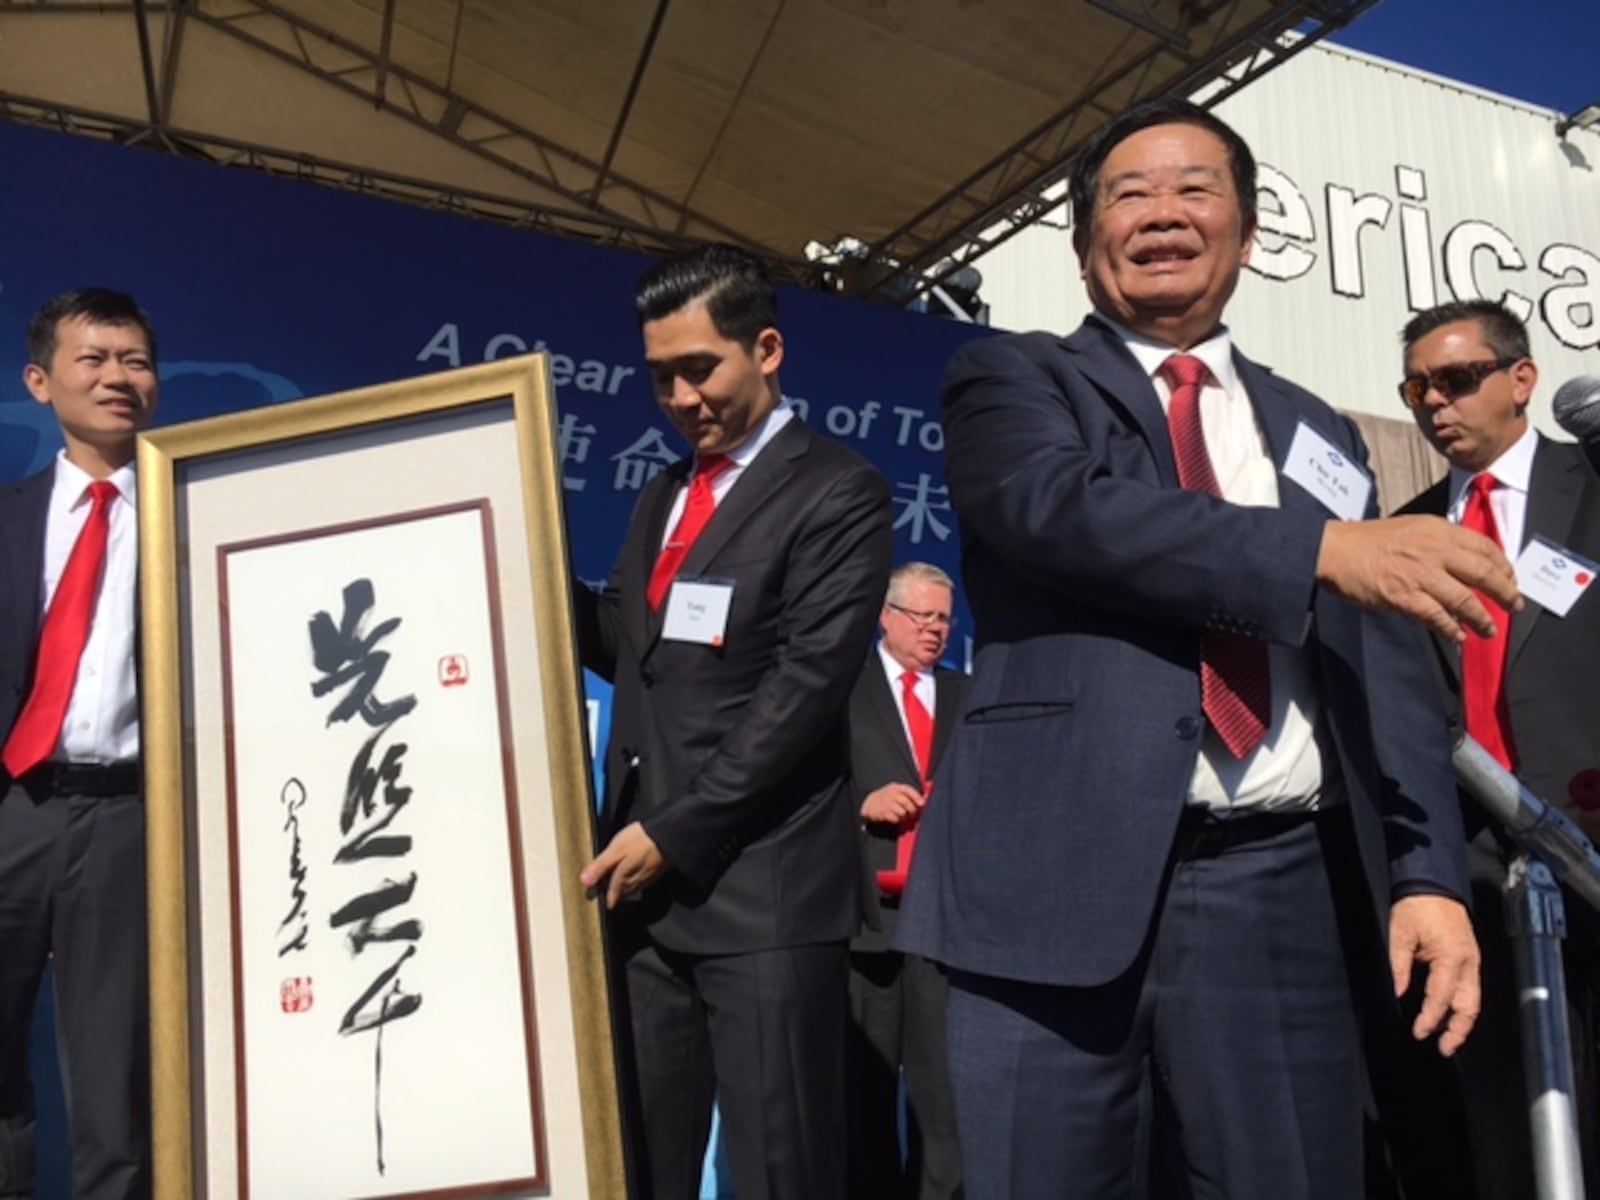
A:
[1423, 567]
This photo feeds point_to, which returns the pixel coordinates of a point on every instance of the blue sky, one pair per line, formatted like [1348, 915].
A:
[1546, 52]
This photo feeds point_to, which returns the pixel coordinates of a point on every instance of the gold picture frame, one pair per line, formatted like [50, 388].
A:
[364, 744]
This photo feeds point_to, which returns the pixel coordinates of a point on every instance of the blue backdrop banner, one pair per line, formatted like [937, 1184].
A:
[264, 290]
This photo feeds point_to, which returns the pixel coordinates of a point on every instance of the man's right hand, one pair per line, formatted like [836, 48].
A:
[1423, 567]
[893, 804]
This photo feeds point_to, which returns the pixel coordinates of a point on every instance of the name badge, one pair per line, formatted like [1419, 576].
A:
[1328, 473]
[697, 611]
[1552, 576]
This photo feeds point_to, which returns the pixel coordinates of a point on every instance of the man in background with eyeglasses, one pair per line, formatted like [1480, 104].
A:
[901, 714]
[1528, 696]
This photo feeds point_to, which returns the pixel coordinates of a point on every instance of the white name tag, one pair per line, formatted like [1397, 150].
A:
[1552, 576]
[1329, 474]
[697, 611]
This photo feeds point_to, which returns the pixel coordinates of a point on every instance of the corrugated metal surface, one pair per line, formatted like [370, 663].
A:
[1447, 167]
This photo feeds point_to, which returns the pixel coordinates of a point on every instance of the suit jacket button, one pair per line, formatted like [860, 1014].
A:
[647, 676]
[1188, 728]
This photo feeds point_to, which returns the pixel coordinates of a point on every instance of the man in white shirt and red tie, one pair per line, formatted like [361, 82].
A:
[72, 879]
[901, 713]
[733, 628]
[1529, 696]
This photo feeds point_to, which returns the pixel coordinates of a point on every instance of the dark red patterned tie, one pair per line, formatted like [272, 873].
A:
[1235, 684]
[1483, 660]
[919, 722]
[61, 640]
[697, 510]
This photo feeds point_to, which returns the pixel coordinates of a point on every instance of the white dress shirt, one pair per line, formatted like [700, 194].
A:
[739, 460]
[1509, 502]
[924, 690]
[1287, 771]
[102, 721]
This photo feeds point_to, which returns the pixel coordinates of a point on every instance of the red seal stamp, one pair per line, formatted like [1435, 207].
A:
[295, 994]
[453, 670]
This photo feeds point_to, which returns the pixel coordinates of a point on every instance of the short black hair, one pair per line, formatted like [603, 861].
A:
[98, 306]
[1084, 183]
[1503, 330]
[734, 285]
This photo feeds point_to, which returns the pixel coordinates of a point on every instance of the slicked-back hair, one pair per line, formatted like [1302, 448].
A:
[98, 306]
[1503, 331]
[918, 572]
[1083, 186]
[733, 284]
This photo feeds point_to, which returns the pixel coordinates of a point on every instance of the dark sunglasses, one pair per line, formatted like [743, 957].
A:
[1457, 379]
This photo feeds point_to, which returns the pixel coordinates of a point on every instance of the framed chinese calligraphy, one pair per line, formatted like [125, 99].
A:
[373, 972]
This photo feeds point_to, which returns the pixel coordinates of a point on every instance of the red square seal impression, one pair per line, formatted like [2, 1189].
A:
[295, 994]
[453, 670]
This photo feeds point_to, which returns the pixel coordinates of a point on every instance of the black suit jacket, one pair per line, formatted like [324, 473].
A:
[1091, 575]
[880, 753]
[736, 758]
[24, 511]
[1551, 662]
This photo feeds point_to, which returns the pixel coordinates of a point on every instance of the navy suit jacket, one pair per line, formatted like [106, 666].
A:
[24, 511]
[735, 758]
[880, 753]
[1091, 575]
[1551, 661]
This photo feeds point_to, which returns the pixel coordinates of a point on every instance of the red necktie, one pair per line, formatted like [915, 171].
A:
[697, 510]
[1483, 660]
[1235, 685]
[61, 641]
[919, 722]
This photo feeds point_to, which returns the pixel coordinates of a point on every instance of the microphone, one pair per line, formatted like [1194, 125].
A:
[1536, 826]
[1577, 410]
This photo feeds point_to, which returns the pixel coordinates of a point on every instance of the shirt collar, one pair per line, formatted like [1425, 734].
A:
[892, 667]
[1513, 469]
[1216, 352]
[71, 487]
[765, 432]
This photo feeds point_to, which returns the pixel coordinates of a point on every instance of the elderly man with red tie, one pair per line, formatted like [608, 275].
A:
[902, 711]
[72, 881]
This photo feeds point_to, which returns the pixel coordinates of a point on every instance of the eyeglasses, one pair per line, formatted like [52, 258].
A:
[1451, 382]
[923, 620]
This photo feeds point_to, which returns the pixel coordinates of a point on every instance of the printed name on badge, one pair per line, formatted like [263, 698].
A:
[1552, 576]
[1328, 473]
[697, 611]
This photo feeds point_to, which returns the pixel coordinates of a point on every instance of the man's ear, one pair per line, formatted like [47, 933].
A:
[769, 350]
[37, 380]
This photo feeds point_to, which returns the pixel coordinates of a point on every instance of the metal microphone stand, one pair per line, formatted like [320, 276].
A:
[1549, 847]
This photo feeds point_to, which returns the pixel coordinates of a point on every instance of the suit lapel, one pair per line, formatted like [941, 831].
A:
[645, 625]
[1099, 354]
[761, 481]
[23, 554]
[1279, 417]
[946, 712]
[1436, 502]
[887, 714]
[1555, 488]
[757, 484]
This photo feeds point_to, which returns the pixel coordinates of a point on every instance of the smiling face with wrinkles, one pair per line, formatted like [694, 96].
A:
[1163, 252]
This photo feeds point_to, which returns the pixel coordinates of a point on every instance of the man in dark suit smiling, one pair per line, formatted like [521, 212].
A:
[733, 626]
[1190, 770]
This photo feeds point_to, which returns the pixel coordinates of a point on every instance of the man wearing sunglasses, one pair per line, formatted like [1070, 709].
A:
[1529, 697]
